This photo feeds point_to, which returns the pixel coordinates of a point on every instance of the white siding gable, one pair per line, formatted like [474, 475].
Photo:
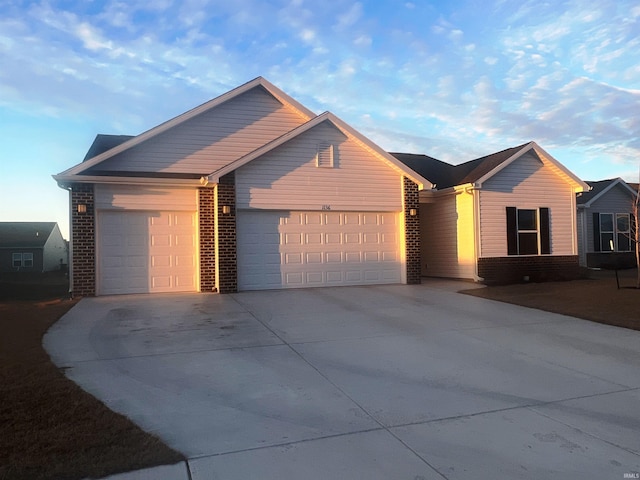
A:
[528, 182]
[211, 140]
[288, 177]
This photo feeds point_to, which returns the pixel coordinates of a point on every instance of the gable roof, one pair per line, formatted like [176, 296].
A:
[479, 170]
[258, 82]
[340, 125]
[103, 142]
[25, 234]
[599, 189]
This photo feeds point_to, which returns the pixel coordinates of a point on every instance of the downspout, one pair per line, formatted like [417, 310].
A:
[70, 252]
[473, 190]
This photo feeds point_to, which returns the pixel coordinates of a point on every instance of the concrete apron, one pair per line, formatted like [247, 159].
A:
[361, 382]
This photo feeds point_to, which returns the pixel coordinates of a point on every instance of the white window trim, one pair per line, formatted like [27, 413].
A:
[614, 232]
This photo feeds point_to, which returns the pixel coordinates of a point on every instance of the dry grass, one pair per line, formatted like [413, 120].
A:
[49, 427]
[596, 298]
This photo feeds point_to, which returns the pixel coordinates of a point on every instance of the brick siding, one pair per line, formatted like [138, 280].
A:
[83, 263]
[412, 231]
[206, 216]
[505, 270]
[611, 260]
[226, 232]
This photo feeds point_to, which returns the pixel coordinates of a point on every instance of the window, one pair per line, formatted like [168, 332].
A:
[528, 231]
[22, 260]
[324, 155]
[27, 260]
[612, 232]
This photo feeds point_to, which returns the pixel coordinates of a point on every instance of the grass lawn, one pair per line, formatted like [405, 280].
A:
[596, 298]
[49, 427]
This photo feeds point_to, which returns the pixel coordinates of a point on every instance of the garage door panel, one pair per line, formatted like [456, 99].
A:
[316, 248]
[146, 252]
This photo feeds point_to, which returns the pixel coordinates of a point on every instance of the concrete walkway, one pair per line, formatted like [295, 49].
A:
[416, 382]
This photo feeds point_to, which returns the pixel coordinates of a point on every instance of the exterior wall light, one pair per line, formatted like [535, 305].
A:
[82, 208]
[413, 212]
[226, 209]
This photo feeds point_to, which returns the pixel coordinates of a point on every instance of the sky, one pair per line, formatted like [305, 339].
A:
[456, 79]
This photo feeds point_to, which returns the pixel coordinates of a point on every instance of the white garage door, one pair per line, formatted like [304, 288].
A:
[310, 249]
[146, 252]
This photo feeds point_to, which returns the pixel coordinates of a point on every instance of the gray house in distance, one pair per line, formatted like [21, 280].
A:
[605, 224]
[32, 247]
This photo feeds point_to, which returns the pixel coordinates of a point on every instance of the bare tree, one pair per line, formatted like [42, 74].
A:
[635, 233]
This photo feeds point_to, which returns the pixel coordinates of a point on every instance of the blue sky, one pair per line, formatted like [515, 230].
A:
[452, 79]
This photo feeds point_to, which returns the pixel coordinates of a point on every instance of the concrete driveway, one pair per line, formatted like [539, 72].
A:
[415, 382]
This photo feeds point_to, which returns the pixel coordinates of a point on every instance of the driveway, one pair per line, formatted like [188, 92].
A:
[415, 382]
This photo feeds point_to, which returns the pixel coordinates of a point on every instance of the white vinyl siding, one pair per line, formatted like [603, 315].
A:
[135, 197]
[288, 176]
[54, 251]
[447, 235]
[211, 140]
[527, 183]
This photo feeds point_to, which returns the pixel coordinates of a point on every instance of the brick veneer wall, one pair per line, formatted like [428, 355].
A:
[226, 233]
[504, 270]
[83, 239]
[412, 231]
[611, 260]
[207, 221]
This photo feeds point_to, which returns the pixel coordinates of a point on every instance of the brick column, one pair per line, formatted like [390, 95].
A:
[83, 262]
[226, 234]
[412, 231]
[207, 213]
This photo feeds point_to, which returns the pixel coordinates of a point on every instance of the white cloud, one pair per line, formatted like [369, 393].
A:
[91, 37]
[490, 60]
[362, 41]
[308, 35]
[350, 17]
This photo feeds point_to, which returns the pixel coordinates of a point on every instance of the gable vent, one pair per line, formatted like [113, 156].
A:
[324, 155]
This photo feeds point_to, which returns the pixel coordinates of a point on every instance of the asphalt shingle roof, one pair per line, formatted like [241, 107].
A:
[445, 175]
[104, 142]
[25, 234]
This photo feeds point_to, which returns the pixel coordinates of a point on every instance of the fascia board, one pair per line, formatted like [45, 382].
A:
[64, 180]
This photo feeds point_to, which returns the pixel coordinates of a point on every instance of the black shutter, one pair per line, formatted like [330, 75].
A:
[512, 230]
[545, 237]
[632, 231]
[596, 233]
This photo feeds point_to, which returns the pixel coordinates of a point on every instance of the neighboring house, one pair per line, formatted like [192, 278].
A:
[31, 247]
[248, 191]
[505, 217]
[606, 223]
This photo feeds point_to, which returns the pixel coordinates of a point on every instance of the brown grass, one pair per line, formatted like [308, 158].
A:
[49, 427]
[596, 298]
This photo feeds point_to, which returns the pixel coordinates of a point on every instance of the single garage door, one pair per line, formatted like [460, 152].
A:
[312, 249]
[146, 252]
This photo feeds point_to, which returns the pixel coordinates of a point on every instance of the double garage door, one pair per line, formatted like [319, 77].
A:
[308, 249]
